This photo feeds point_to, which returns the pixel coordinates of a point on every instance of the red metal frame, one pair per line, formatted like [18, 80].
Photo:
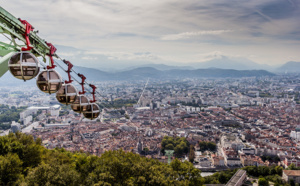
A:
[94, 91]
[70, 66]
[51, 53]
[28, 29]
[82, 83]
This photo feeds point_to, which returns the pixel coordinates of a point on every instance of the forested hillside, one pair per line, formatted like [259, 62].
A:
[9, 114]
[24, 161]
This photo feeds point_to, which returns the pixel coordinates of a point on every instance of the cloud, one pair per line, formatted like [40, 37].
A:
[263, 15]
[119, 30]
[89, 58]
[147, 56]
[186, 35]
[69, 54]
[214, 55]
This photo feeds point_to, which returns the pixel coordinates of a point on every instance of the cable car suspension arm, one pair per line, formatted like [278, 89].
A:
[82, 83]
[28, 29]
[14, 28]
[70, 66]
[93, 93]
[51, 53]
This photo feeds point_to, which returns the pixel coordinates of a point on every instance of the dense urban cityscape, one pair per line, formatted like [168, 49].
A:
[252, 121]
[162, 93]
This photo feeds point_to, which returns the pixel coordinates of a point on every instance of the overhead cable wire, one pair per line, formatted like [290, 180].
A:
[77, 75]
[99, 102]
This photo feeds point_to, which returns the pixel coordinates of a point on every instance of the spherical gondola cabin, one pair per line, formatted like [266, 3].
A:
[24, 65]
[66, 94]
[92, 112]
[49, 81]
[80, 104]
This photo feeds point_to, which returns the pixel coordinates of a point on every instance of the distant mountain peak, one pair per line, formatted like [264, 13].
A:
[225, 62]
[290, 67]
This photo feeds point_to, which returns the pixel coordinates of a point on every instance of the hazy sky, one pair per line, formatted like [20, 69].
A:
[265, 31]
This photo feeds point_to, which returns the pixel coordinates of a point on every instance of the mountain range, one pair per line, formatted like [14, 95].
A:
[220, 67]
[289, 67]
[144, 73]
[227, 63]
[153, 73]
[118, 62]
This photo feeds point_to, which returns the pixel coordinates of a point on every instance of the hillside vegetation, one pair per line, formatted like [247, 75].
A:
[179, 145]
[9, 114]
[24, 161]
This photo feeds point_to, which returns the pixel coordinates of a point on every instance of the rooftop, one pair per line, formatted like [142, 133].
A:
[292, 172]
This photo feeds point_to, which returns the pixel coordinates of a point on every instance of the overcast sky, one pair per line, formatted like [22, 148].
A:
[264, 31]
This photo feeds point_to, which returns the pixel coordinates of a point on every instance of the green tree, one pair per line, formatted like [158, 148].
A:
[10, 169]
[223, 177]
[146, 150]
[53, 174]
[207, 146]
[292, 182]
[278, 170]
[292, 167]
[263, 182]
[9, 114]
[27, 149]
[169, 147]
[179, 145]
[263, 170]
[186, 171]
[192, 154]
[24, 161]
[220, 177]
[211, 146]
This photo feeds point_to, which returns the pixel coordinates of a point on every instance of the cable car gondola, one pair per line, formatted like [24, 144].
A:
[24, 65]
[49, 81]
[66, 94]
[92, 112]
[80, 104]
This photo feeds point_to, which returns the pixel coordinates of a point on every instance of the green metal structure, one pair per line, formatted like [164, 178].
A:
[169, 153]
[13, 30]
[19, 39]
